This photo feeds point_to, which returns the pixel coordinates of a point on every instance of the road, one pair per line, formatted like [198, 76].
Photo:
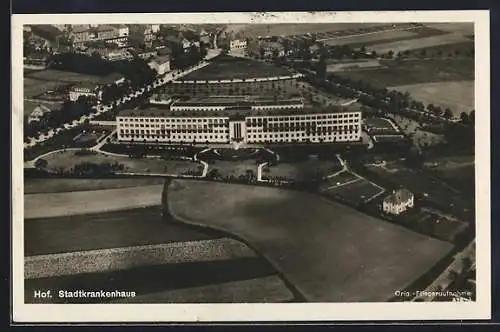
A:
[100, 109]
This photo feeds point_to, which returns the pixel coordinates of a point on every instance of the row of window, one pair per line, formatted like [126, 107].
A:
[194, 131]
[299, 135]
[201, 138]
[173, 120]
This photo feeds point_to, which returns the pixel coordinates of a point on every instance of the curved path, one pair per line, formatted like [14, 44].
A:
[329, 252]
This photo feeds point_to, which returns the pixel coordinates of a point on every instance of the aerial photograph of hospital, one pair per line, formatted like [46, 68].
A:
[249, 163]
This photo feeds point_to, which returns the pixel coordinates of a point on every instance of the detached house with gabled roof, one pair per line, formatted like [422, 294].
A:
[398, 202]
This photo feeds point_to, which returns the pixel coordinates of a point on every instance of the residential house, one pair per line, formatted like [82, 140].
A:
[36, 60]
[84, 89]
[398, 202]
[238, 44]
[161, 64]
[272, 49]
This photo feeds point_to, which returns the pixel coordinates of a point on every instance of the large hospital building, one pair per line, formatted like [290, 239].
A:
[239, 125]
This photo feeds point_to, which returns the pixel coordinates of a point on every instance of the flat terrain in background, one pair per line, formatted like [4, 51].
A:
[56, 185]
[329, 252]
[255, 30]
[408, 72]
[458, 96]
[417, 43]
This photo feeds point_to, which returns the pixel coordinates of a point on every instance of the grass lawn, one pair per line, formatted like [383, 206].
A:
[328, 251]
[414, 72]
[47, 205]
[64, 139]
[298, 171]
[228, 68]
[67, 160]
[58, 185]
[458, 96]
[355, 192]
[234, 168]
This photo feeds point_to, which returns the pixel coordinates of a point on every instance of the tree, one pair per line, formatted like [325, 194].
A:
[464, 118]
[390, 54]
[41, 163]
[448, 114]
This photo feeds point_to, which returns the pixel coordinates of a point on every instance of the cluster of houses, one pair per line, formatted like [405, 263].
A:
[112, 42]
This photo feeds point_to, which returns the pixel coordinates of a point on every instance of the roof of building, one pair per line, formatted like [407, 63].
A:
[236, 102]
[246, 111]
[105, 28]
[161, 59]
[85, 85]
[399, 196]
[80, 28]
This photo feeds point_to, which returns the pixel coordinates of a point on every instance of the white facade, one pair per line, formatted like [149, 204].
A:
[181, 107]
[294, 128]
[161, 67]
[123, 31]
[237, 44]
[398, 203]
[77, 92]
[155, 28]
[173, 129]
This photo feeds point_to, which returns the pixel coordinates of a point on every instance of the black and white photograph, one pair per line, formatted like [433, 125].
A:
[299, 160]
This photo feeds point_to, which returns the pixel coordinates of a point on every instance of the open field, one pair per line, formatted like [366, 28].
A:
[352, 65]
[299, 171]
[370, 37]
[67, 160]
[414, 72]
[92, 201]
[263, 290]
[174, 283]
[213, 268]
[458, 96]
[57, 185]
[113, 259]
[60, 76]
[458, 171]
[354, 257]
[457, 27]
[255, 30]
[230, 67]
[129, 227]
[33, 87]
[463, 48]
[417, 43]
